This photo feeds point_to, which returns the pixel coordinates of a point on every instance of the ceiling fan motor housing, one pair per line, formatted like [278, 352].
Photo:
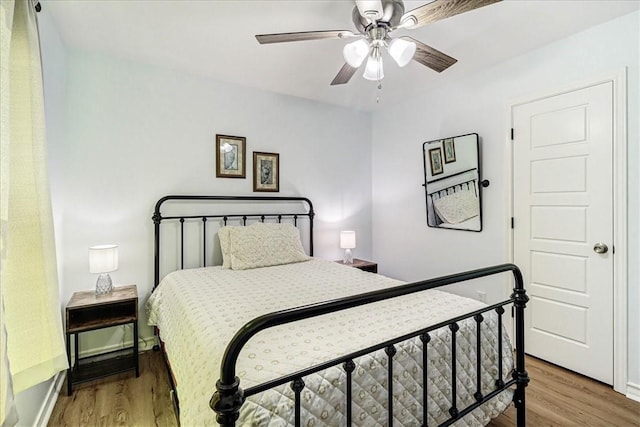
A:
[392, 11]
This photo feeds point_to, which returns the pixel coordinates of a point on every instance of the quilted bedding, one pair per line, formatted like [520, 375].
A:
[199, 310]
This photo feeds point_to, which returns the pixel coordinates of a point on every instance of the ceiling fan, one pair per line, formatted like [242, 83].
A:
[374, 21]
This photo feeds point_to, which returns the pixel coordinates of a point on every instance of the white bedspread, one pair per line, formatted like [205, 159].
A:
[199, 310]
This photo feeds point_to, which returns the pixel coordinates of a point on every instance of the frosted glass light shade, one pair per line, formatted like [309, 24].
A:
[373, 70]
[103, 258]
[347, 239]
[355, 53]
[402, 51]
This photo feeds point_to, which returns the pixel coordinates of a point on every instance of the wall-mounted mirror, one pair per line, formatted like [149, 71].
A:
[452, 183]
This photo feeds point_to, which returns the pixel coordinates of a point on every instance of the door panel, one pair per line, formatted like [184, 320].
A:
[568, 272]
[563, 205]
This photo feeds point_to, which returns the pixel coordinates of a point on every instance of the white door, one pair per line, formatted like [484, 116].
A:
[563, 218]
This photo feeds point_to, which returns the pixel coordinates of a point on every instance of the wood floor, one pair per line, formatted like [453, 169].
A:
[120, 400]
[555, 397]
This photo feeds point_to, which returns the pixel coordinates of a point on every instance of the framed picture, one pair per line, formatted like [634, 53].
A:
[266, 171]
[435, 158]
[230, 156]
[449, 150]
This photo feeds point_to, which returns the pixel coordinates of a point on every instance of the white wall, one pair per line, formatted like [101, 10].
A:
[403, 244]
[135, 133]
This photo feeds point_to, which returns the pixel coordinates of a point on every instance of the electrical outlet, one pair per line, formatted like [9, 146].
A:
[482, 296]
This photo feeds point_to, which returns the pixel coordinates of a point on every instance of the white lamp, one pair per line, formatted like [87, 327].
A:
[102, 260]
[348, 242]
[355, 53]
[402, 51]
[373, 70]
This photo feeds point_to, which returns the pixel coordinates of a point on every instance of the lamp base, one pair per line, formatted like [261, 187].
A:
[348, 256]
[104, 285]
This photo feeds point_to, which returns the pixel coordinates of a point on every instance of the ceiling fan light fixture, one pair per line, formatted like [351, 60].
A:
[374, 70]
[354, 53]
[402, 51]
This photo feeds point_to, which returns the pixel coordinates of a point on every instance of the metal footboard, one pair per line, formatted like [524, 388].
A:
[229, 396]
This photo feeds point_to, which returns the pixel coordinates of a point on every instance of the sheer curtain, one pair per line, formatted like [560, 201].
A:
[34, 346]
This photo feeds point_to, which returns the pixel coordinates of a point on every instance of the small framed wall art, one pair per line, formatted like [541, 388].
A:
[230, 156]
[435, 158]
[449, 150]
[266, 171]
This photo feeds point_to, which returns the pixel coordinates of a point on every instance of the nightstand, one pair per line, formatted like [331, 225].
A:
[87, 311]
[363, 265]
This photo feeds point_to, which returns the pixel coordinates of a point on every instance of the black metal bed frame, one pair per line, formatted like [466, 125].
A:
[229, 396]
[226, 217]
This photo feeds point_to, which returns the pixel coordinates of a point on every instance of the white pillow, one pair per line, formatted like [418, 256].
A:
[225, 244]
[265, 244]
[457, 207]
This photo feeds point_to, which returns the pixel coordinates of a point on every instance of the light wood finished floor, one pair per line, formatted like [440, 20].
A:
[555, 397]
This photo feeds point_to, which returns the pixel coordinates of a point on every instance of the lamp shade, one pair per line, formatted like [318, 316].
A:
[103, 258]
[355, 53]
[402, 51]
[347, 239]
[373, 70]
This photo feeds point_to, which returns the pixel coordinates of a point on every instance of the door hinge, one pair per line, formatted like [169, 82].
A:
[512, 221]
[512, 134]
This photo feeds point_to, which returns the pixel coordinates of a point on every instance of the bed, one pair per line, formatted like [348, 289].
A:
[274, 336]
[453, 202]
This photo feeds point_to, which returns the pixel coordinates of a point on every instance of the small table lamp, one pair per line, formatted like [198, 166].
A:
[102, 260]
[348, 242]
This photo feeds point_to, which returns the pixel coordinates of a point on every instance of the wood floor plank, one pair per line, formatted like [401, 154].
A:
[120, 400]
[555, 398]
[558, 397]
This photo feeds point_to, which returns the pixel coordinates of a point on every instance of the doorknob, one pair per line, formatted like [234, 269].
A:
[600, 248]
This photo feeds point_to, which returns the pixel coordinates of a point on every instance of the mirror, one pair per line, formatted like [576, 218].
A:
[452, 183]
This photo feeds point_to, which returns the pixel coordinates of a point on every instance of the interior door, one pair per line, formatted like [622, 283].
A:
[563, 227]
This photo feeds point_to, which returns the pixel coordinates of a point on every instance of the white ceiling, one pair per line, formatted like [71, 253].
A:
[216, 39]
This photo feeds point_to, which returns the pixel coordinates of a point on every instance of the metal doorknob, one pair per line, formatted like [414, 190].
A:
[600, 248]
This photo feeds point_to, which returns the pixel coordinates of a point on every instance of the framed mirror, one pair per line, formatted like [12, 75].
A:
[452, 183]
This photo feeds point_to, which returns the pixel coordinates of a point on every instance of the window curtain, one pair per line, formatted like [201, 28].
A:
[34, 348]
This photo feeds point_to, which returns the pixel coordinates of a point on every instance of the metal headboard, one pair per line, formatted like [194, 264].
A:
[307, 213]
[469, 184]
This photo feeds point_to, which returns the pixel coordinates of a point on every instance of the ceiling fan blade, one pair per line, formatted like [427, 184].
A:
[430, 57]
[440, 9]
[344, 75]
[303, 36]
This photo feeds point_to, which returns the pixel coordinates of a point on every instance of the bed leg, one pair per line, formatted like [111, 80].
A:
[519, 402]
[520, 374]
[226, 402]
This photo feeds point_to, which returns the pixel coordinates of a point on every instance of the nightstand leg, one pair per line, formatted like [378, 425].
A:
[76, 348]
[135, 348]
[69, 378]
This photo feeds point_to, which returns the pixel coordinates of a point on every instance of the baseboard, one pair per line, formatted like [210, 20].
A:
[633, 391]
[42, 420]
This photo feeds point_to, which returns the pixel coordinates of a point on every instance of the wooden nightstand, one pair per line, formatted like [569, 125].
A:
[87, 311]
[363, 265]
